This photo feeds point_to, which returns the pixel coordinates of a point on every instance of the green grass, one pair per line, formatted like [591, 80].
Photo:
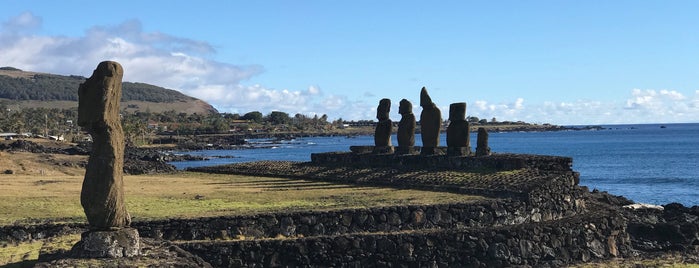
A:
[26, 254]
[16, 255]
[28, 199]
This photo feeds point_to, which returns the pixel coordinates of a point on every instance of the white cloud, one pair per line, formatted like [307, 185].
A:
[163, 60]
[642, 106]
[23, 22]
[519, 104]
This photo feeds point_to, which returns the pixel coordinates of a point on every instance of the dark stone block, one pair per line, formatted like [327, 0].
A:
[458, 151]
[108, 244]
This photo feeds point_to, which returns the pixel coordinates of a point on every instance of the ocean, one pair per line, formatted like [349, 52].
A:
[649, 163]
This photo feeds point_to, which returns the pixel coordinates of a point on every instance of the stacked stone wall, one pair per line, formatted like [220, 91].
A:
[317, 223]
[551, 243]
[22, 233]
[336, 222]
[495, 161]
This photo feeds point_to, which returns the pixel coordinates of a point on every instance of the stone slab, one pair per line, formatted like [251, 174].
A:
[403, 150]
[458, 151]
[120, 243]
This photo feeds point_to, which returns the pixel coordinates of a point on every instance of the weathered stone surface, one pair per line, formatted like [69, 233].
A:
[482, 148]
[382, 134]
[383, 150]
[102, 195]
[124, 242]
[401, 150]
[155, 253]
[361, 149]
[458, 127]
[458, 136]
[458, 151]
[430, 122]
[406, 126]
[523, 245]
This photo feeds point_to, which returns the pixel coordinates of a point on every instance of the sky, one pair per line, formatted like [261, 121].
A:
[560, 62]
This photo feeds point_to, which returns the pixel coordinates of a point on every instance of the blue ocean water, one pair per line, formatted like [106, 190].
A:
[650, 163]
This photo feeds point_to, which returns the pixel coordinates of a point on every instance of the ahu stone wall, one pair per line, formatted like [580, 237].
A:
[428, 162]
[552, 243]
[485, 213]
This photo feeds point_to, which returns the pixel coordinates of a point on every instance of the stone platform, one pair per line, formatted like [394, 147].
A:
[124, 242]
[362, 156]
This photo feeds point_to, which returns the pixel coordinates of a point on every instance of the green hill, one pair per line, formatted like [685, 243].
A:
[40, 89]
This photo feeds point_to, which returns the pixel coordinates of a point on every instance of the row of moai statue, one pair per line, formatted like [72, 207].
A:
[458, 133]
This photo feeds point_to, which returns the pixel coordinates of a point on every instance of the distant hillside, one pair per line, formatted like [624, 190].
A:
[36, 89]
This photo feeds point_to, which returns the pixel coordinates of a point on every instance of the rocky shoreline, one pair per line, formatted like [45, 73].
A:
[241, 141]
[136, 160]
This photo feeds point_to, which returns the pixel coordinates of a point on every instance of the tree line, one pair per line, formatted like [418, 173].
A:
[47, 87]
[139, 126]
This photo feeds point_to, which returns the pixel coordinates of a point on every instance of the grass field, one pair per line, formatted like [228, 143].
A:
[38, 193]
[26, 199]
[36, 198]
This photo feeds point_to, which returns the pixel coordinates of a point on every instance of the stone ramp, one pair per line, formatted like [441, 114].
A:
[517, 183]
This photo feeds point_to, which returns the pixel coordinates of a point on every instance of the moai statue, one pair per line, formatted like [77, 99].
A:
[382, 134]
[482, 148]
[406, 128]
[430, 123]
[102, 195]
[458, 138]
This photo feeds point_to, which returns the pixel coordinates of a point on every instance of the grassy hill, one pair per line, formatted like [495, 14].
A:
[31, 90]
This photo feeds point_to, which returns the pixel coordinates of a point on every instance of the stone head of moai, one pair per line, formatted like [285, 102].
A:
[405, 107]
[457, 111]
[98, 96]
[383, 109]
[425, 100]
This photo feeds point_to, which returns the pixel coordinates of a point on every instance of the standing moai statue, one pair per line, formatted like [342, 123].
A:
[406, 128]
[482, 148]
[102, 195]
[430, 123]
[382, 134]
[458, 136]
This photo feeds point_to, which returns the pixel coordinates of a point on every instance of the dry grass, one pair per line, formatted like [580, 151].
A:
[25, 163]
[36, 198]
[43, 190]
[27, 253]
[32, 198]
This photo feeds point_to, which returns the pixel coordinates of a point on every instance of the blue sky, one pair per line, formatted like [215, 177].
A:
[561, 62]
